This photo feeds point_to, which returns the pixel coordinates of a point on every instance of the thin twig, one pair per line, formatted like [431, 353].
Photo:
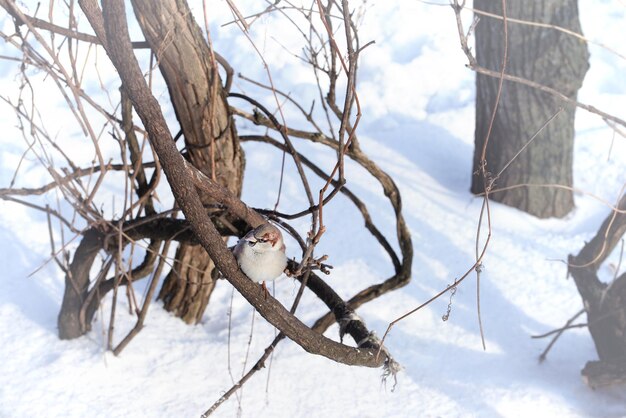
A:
[146, 303]
[559, 332]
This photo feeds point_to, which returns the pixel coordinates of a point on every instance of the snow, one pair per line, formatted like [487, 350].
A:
[417, 99]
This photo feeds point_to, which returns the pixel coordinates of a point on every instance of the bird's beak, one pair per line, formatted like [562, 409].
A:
[251, 241]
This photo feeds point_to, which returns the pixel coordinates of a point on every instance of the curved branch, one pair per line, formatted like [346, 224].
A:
[369, 224]
[390, 189]
[288, 144]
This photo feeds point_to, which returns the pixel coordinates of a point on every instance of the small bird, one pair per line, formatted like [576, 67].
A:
[261, 254]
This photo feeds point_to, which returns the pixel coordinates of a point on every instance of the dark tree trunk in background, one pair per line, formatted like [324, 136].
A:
[548, 57]
[185, 62]
[605, 304]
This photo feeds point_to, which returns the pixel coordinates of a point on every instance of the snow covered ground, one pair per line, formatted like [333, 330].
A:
[417, 99]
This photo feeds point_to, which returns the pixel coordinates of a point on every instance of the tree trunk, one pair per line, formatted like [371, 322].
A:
[605, 304]
[210, 136]
[548, 57]
[69, 321]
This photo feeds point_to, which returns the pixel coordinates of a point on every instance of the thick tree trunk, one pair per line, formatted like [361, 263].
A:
[187, 288]
[209, 131]
[546, 56]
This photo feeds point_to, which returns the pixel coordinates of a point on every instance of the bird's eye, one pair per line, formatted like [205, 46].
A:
[261, 240]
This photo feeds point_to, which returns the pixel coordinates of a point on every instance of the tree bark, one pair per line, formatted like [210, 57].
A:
[209, 132]
[69, 322]
[605, 304]
[546, 56]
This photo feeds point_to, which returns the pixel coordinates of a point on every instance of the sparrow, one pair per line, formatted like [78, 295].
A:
[261, 254]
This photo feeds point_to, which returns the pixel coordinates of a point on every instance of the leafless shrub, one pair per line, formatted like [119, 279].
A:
[131, 239]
